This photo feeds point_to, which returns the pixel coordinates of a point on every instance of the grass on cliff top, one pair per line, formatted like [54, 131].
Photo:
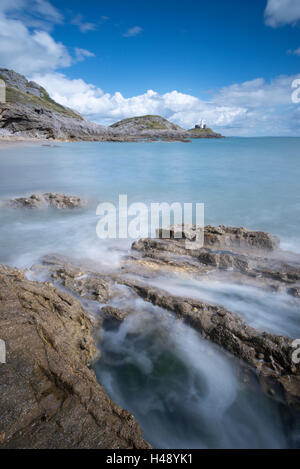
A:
[14, 95]
[150, 122]
[200, 131]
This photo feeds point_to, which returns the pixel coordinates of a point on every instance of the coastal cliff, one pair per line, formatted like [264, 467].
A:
[30, 112]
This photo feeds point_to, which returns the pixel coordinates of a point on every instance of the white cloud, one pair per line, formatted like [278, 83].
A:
[294, 52]
[281, 12]
[29, 52]
[134, 31]
[82, 54]
[252, 108]
[83, 25]
[32, 13]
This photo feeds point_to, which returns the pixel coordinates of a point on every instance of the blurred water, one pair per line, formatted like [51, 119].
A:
[183, 390]
[249, 182]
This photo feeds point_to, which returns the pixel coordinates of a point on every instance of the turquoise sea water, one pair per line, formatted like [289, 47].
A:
[242, 181]
[183, 391]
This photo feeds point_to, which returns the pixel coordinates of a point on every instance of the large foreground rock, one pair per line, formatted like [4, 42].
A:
[49, 397]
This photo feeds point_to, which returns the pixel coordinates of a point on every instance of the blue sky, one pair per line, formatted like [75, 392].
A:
[230, 62]
[193, 45]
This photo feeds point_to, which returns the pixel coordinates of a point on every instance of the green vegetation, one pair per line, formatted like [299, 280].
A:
[148, 122]
[200, 131]
[14, 95]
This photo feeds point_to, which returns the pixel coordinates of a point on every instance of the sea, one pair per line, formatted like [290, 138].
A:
[184, 391]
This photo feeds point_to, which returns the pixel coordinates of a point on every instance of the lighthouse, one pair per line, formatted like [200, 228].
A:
[202, 125]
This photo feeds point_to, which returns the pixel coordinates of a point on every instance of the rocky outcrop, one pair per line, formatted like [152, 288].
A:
[49, 199]
[243, 256]
[36, 121]
[31, 113]
[223, 237]
[203, 133]
[49, 397]
[250, 257]
[153, 127]
[144, 123]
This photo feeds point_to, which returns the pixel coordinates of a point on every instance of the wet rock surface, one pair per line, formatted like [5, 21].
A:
[242, 255]
[52, 399]
[254, 258]
[49, 199]
[49, 396]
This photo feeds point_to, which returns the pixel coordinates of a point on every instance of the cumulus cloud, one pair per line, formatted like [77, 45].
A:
[134, 31]
[255, 107]
[29, 52]
[33, 50]
[251, 108]
[281, 12]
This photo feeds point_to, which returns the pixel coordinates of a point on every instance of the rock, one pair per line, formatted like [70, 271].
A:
[31, 113]
[230, 331]
[295, 291]
[57, 201]
[80, 281]
[226, 236]
[49, 397]
[249, 257]
[119, 315]
[268, 354]
[223, 237]
[155, 127]
[203, 133]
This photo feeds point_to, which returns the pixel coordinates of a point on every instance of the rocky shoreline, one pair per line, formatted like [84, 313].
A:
[30, 113]
[50, 396]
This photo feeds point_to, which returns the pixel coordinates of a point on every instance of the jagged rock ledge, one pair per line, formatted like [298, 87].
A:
[49, 397]
[241, 256]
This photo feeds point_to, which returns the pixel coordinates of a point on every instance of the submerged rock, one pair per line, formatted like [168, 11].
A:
[49, 199]
[49, 397]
